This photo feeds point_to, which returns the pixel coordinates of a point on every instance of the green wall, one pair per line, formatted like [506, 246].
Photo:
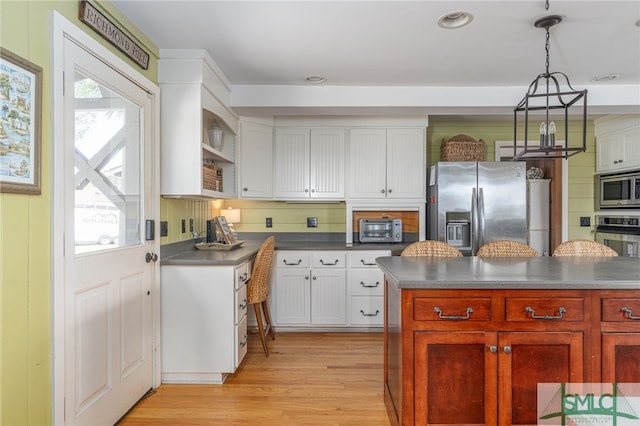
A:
[25, 284]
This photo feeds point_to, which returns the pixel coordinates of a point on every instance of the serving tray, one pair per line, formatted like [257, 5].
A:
[218, 246]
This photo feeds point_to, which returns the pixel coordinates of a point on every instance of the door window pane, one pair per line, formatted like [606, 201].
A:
[107, 172]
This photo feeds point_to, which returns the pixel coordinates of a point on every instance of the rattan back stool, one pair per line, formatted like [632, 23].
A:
[258, 289]
[431, 248]
[506, 248]
[583, 248]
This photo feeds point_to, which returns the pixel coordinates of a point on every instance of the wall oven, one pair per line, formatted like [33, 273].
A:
[621, 233]
[618, 190]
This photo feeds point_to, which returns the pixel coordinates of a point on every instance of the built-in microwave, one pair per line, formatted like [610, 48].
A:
[380, 230]
[618, 190]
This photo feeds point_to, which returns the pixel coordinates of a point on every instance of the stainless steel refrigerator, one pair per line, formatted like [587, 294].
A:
[472, 203]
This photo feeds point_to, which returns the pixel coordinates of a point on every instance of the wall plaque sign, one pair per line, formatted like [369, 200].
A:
[100, 24]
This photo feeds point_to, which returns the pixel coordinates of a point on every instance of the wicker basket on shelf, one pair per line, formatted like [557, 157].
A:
[212, 177]
[462, 148]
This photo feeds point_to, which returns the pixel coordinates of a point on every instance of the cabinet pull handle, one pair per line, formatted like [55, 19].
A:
[369, 315]
[370, 286]
[561, 311]
[328, 264]
[630, 315]
[292, 263]
[244, 342]
[243, 305]
[365, 263]
[469, 311]
[245, 277]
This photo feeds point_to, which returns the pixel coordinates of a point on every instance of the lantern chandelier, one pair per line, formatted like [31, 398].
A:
[547, 101]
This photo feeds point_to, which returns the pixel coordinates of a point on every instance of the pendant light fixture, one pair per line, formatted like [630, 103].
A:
[546, 107]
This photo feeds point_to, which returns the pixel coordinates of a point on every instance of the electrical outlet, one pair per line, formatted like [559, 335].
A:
[164, 228]
[312, 222]
[190, 225]
[585, 221]
[183, 225]
[268, 222]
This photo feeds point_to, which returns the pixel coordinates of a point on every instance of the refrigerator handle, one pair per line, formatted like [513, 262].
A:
[480, 217]
[474, 222]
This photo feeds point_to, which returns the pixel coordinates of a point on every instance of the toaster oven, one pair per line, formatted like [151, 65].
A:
[383, 230]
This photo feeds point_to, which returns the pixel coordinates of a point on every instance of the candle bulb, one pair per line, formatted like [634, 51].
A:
[543, 135]
[552, 134]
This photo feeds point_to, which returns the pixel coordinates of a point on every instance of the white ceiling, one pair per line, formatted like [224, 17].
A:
[395, 53]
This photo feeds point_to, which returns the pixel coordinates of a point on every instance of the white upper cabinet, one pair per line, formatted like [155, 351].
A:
[387, 163]
[194, 96]
[309, 163]
[617, 143]
[255, 161]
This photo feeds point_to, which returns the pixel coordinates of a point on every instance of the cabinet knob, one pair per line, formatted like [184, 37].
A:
[390, 191]
[382, 191]
[245, 189]
[314, 278]
[313, 190]
[493, 349]
[306, 190]
[615, 161]
[306, 277]
[507, 349]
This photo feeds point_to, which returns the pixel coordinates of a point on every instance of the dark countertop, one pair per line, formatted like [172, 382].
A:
[185, 253]
[509, 273]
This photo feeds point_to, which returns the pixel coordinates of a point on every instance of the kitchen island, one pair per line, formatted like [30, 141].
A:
[468, 339]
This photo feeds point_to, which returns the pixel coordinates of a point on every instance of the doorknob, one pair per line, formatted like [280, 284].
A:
[151, 257]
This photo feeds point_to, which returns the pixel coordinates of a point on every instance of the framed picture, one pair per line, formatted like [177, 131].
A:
[20, 124]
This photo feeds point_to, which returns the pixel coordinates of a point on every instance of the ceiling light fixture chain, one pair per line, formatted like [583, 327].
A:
[546, 49]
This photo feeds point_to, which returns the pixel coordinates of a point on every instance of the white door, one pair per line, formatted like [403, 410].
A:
[108, 170]
[292, 163]
[327, 152]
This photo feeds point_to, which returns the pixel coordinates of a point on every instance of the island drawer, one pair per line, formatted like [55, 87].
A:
[622, 309]
[545, 309]
[452, 309]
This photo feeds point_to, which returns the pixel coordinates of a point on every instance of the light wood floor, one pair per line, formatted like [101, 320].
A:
[309, 379]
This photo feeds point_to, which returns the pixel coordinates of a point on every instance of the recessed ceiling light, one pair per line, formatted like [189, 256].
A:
[455, 20]
[607, 77]
[315, 79]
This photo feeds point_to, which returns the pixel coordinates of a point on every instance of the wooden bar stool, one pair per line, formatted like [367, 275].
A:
[583, 248]
[506, 248]
[431, 248]
[258, 289]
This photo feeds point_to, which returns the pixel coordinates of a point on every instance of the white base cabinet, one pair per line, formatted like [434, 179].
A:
[310, 288]
[366, 288]
[204, 322]
[335, 289]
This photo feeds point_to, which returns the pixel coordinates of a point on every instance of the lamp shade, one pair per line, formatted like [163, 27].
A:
[231, 215]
